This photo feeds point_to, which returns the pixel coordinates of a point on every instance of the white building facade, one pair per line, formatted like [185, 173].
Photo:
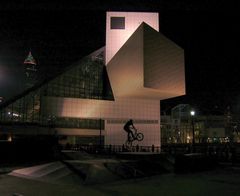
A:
[143, 67]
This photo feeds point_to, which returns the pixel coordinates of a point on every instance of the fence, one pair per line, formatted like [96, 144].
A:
[221, 152]
[111, 149]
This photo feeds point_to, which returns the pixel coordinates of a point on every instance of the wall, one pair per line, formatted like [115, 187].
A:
[115, 38]
[145, 112]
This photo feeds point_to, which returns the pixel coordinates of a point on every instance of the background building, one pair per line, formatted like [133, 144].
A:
[30, 66]
[177, 127]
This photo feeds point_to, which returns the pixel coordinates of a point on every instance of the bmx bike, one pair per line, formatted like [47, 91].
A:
[136, 137]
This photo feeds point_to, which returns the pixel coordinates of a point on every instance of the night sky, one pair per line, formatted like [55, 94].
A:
[60, 33]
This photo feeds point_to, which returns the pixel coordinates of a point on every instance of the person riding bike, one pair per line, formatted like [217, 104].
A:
[128, 128]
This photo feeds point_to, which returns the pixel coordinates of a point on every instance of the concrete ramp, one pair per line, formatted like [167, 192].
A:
[93, 171]
[69, 172]
[38, 170]
[56, 172]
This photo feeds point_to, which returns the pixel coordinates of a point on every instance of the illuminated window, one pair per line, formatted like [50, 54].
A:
[117, 23]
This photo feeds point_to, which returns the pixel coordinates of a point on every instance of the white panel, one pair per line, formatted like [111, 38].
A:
[90, 108]
[82, 132]
[122, 109]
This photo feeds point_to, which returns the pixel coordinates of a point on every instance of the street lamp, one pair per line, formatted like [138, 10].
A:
[100, 133]
[192, 113]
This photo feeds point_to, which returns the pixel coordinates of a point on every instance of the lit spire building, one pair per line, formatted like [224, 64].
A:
[30, 67]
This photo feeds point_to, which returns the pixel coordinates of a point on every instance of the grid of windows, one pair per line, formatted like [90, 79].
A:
[24, 110]
[88, 79]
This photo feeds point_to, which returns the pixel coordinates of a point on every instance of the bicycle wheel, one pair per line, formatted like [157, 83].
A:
[140, 136]
[128, 143]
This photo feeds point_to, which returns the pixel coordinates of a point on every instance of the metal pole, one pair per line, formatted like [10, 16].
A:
[193, 135]
[100, 133]
[193, 132]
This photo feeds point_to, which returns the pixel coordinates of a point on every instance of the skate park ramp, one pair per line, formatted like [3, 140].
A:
[54, 172]
[69, 172]
[85, 169]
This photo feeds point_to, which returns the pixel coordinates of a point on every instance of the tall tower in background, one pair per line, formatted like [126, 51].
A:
[30, 67]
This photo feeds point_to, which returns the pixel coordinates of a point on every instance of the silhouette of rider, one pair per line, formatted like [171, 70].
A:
[127, 127]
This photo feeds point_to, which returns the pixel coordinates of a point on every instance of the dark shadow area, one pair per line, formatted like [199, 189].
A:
[195, 162]
[28, 150]
[136, 169]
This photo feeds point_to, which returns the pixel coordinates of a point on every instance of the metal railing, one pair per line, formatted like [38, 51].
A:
[221, 152]
[228, 152]
[111, 149]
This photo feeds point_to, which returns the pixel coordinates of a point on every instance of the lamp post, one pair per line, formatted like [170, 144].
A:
[192, 113]
[100, 133]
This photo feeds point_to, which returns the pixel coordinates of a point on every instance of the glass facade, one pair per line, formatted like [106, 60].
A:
[25, 109]
[86, 79]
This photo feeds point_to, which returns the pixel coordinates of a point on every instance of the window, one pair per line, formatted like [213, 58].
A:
[117, 23]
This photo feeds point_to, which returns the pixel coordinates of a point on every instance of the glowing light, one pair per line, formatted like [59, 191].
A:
[192, 113]
[16, 115]
[9, 138]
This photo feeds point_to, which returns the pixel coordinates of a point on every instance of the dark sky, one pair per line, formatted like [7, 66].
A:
[59, 33]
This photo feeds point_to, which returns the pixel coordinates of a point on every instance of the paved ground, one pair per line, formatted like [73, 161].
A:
[218, 182]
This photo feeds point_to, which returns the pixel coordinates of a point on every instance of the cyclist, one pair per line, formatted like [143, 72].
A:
[127, 127]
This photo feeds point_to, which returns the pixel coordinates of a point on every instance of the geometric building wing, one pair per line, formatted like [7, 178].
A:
[147, 65]
[163, 63]
[125, 69]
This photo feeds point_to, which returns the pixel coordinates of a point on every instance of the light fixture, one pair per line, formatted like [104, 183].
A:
[192, 112]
